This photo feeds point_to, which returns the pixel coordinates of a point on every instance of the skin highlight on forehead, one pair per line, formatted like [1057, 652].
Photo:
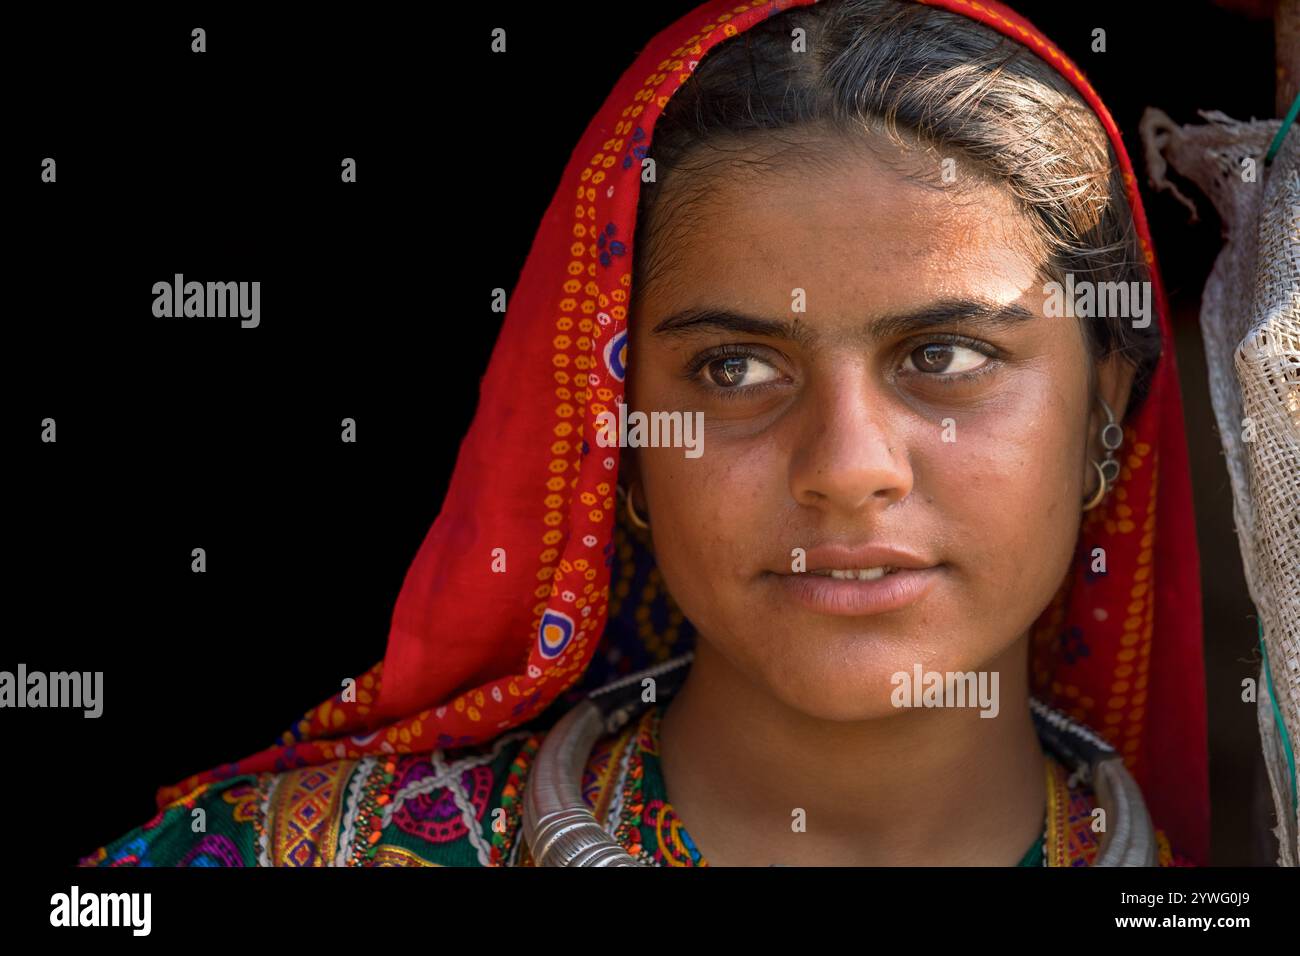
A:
[853, 218]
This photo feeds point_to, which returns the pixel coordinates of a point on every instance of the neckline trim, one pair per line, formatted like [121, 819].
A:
[624, 786]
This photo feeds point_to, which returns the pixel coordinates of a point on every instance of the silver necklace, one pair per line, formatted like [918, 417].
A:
[561, 830]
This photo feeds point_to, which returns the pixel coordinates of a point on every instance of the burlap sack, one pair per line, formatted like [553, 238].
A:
[1250, 321]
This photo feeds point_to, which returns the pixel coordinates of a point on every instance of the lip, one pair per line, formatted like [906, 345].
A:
[827, 595]
[844, 557]
[856, 598]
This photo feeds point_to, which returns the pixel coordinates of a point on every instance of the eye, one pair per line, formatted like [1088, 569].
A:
[943, 358]
[736, 371]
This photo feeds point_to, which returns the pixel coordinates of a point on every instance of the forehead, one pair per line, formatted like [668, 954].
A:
[862, 230]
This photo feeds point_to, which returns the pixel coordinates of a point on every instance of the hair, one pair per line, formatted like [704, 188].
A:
[930, 81]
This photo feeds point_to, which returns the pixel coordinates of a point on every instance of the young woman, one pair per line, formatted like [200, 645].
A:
[921, 586]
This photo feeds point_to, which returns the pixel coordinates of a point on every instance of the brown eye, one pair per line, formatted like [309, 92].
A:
[736, 370]
[937, 358]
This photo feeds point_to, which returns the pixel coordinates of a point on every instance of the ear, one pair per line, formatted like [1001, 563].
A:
[1114, 383]
[629, 478]
[629, 469]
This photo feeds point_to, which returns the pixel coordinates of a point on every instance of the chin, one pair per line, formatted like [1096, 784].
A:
[843, 683]
[836, 704]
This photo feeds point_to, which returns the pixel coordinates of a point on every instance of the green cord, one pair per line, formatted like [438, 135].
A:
[1277, 714]
[1281, 130]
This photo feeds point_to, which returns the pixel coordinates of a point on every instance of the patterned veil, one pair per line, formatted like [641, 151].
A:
[474, 651]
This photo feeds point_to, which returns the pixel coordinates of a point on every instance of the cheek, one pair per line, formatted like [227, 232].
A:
[709, 518]
[1009, 488]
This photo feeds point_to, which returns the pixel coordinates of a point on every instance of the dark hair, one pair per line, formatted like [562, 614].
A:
[929, 80]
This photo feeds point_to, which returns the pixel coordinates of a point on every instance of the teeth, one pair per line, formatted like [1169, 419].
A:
[858, 574]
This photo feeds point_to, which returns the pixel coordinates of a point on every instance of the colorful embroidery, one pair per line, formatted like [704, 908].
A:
[371, 792]
[385, 855]
[304, 814]
[441, 810]
[213, 850]
[436, 817]
[512, 795]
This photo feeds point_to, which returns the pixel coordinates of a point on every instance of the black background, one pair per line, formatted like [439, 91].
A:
[175, 434]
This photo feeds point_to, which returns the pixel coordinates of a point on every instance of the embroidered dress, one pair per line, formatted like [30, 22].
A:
[462, 808]
[415, 768]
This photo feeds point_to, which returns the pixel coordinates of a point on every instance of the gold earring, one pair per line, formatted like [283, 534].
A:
[1100, 493]
[635, 518]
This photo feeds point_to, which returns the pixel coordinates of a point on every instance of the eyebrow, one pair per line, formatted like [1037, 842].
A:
[966, 312]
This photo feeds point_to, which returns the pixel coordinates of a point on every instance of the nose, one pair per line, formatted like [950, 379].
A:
[849, 455]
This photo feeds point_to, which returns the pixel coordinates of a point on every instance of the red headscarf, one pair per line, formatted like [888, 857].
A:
[475, 649]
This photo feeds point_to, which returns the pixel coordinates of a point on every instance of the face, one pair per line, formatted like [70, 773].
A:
[880, 388]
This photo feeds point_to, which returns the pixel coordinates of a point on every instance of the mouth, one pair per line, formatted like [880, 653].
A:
[857, 592]
[856, 574]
